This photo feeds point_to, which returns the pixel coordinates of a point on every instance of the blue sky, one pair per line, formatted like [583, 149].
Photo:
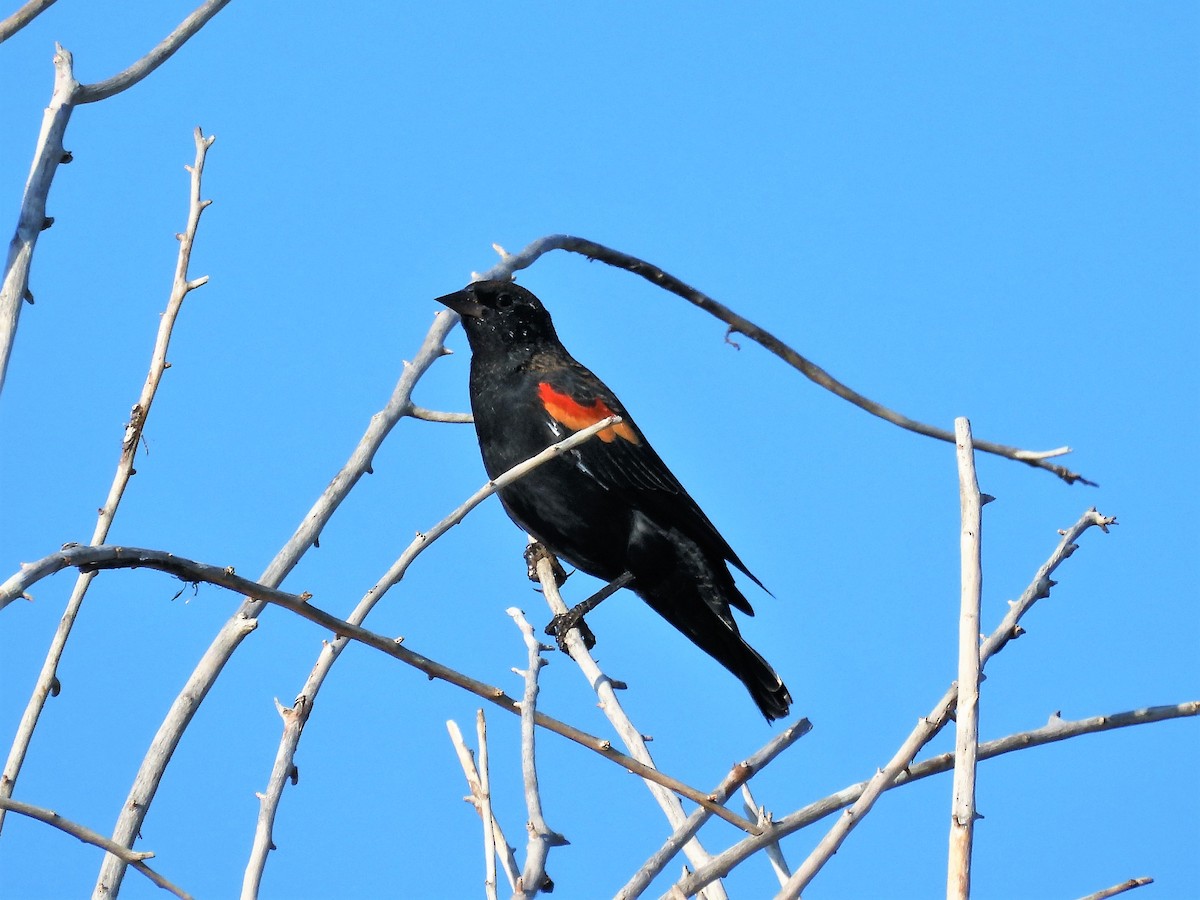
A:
[957, 211]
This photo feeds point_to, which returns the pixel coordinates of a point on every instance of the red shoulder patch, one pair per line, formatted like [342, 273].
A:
[566, 410]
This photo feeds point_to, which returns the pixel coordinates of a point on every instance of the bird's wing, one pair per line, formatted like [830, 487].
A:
[622, 460]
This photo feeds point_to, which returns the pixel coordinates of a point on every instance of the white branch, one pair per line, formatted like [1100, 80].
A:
[478, 780]
[102, 90]
[966, 718]
[1119, 888]
[23, 17]
[533, 878]
[135, 858]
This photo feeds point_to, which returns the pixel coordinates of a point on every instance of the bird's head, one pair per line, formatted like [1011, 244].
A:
[501, 315]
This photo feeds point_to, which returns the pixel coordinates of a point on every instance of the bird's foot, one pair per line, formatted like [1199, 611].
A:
[536, 551]
[561, 624]
[564, 622]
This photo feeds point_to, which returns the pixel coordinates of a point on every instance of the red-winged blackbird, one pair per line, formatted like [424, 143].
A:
[610, 506]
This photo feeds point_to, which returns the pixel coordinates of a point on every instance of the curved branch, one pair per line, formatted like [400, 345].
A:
[434, 415]
[742, 325]
[181, 287]
[102, 90]
[135, 858]
[23, 17]
[115, 557]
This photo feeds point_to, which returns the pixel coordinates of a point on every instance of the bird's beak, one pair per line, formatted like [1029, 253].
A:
[463, 303]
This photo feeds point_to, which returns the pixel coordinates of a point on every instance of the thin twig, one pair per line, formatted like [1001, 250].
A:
[737, 777]
[114, 557]
[533, 878]
[135, 858]
[285, 754]
[490, 830]
[1119, 888]
[774, 853]
[966, 717]
[741, 325]
[23, 17]
[481, 798]
[434, 415]
[180, 288]
[245, 620]
[926, 728]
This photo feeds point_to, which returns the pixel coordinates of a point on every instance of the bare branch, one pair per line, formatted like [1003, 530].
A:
[926, 728]
[631, 736]
[135, 858]
[114, 557]
[244, 621]
[31, 220]
[102, 90]
[23, 17]
[1119, 888]
[533, 878]
[433, 415]
[737, 777]
[966, 718]
[741, 325]
[181, 287]
[491, 828]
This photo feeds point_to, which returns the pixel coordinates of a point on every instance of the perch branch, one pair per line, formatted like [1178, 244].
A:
[966, 717]
[533, 878]
[737, 777]
[114, 557]
[631, 736]
[298, 716]
[245, 620]
[926, 728]
[135, 858]
[23, 17]
[181, 287]
[592, 250]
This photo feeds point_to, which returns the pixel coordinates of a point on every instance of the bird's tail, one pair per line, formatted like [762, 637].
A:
[700, 609]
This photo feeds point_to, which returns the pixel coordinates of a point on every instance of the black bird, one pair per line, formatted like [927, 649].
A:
[611, 506]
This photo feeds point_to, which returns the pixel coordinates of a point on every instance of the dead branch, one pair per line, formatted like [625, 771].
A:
[739, 324]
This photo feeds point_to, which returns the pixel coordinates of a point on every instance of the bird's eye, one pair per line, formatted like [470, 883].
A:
[504, 301]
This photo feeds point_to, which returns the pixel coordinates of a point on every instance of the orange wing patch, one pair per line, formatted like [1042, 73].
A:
[576, 416]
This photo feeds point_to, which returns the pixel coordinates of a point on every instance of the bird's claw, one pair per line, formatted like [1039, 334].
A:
[561, 625]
